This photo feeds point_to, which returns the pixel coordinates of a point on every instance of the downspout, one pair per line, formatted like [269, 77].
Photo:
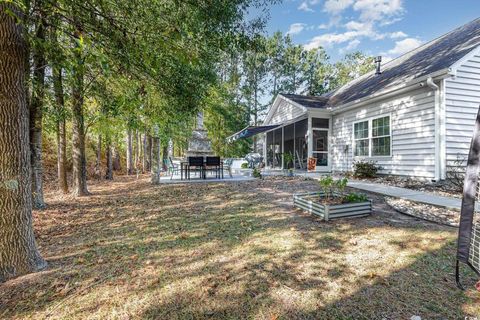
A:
[438, 138]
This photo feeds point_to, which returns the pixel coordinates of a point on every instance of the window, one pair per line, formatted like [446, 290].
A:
[381, 136]
[360, 133]
[320, 123]
[372, 137]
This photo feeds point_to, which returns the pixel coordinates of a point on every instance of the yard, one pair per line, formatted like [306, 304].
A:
[232, 250]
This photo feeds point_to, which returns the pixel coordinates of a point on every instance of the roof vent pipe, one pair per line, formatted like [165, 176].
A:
[378, 62]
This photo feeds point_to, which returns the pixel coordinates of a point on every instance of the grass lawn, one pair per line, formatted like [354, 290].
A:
[233, 251]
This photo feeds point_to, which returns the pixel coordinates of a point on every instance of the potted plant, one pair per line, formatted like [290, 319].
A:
[288, 160]
[332, 201]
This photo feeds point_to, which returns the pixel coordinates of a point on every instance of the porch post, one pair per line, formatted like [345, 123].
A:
[310, 137]
[294, 149]
[283, 144]
[265, 149]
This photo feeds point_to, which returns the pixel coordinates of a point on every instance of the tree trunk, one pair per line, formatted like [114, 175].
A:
[156, 164]
[116, 159]
[144, 153]
[139, 151]
[61, 131]
[164, 157]
[78, 127]
[148, 151]
[129, 152]
[36, 111]
[135, 150]
[108, 150]
[19, 254]
[98, 162]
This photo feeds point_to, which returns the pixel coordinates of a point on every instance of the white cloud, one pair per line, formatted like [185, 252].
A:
[378, 10]
[352, 44]
[336, 6]
[398, 35]
[296, 28]
[329, 39]
[323, 26]
[304, 7]
[354, 25]
[404, 46]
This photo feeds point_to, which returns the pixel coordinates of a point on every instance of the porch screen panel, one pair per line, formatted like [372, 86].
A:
[270, 148]
[277, 149]
[301, 147]
[288, 146]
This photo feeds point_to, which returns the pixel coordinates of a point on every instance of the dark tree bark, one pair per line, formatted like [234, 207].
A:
[78, 126]
[129, 152]
[144, 153]
[61, 131]
[136, 151]
[98, 162]
[116, 159]
[36, 110]
[148, 152]
[18, 251]
[109, 155]
[164, 157]
[156, 161]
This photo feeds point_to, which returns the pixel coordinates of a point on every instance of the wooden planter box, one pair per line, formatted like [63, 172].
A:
[306, 202]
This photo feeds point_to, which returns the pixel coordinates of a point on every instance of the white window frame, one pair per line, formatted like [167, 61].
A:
[370, 137]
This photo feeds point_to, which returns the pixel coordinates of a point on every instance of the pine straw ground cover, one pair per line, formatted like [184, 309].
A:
[233, 250]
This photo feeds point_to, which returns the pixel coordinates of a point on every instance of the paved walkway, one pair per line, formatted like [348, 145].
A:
[408, 194]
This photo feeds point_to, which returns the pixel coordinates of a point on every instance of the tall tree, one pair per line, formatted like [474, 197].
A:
[60, 126]
[37, 104]
[315, 69]
[129, 144]
[292, 80]
[276, 56]
[78, 127]
[19, 254]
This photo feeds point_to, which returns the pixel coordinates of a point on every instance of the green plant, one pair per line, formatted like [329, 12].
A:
[288, 159]
[326, 184]
[355, 197]
[365, 169]
[339, 186]
[244, 165]
[256, 173]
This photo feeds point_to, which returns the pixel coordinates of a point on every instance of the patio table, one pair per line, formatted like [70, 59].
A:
[184, 168]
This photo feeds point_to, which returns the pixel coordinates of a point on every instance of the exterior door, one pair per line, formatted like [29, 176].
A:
[320, 141]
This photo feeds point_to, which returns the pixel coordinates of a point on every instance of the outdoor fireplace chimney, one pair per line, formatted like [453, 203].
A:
[378, 62]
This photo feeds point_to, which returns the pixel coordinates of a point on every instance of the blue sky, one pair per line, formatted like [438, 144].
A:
[376, 27]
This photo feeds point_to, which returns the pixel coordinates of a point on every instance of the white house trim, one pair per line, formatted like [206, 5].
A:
[276, 104]
[465, 58]
[370, 137]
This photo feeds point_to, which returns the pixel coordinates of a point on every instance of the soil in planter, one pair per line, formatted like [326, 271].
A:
[334, 200]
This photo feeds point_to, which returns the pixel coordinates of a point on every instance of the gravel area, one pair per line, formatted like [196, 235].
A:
[427, 212]
[441, 188]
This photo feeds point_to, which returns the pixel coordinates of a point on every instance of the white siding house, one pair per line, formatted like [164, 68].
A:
[414, 119]
[462, 99]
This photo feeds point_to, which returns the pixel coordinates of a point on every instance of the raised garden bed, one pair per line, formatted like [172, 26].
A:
[314, 203]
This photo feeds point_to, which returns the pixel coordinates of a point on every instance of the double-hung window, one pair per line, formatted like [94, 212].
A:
[362, 142]
[372, 137]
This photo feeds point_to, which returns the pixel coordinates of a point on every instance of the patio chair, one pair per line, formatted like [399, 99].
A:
[172, 168]
[195, 164]
[227, 165]
[213, 164]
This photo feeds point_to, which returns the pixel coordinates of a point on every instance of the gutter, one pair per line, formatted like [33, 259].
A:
[438, 137]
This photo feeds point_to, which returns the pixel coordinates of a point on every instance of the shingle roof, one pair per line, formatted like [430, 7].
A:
[429, 58]
[307, 101]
